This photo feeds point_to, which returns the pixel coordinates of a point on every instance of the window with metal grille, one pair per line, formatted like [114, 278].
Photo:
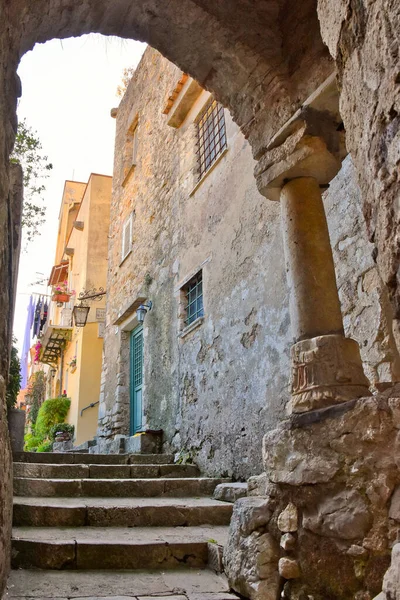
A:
[211, 135]
[194, 298]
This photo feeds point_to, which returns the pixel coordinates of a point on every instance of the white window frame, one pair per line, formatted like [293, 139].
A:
[126, 248]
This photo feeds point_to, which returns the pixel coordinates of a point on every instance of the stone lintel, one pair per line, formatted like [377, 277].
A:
[129, 310]
[184, 101]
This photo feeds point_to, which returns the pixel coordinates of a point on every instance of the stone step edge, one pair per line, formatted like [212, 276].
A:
[162, 471]
[179, 515]
[170, 487]
[83, 458]
[88, 555]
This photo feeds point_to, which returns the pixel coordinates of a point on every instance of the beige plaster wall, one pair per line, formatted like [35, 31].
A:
[87, 270]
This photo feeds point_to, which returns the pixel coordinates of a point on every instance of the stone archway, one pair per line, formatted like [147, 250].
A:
[262, 60]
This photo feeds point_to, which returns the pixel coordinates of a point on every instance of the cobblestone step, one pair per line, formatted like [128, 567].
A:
[118, 512]
[114, 548]
[99, 471]
[84, 458]
[182, 487]
[187, 584]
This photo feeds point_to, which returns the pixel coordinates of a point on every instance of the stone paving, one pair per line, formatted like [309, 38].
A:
[116, 526]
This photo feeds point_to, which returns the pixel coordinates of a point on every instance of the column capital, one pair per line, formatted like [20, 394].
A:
[310, 144]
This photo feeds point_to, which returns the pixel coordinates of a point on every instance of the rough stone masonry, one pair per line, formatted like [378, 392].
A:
[262, 64]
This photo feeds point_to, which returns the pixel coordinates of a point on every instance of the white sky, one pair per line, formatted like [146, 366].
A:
[68, 90]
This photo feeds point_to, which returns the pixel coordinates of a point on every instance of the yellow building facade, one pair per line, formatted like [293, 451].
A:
[74, 353]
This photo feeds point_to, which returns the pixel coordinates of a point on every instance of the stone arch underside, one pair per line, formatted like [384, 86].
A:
[261, 59]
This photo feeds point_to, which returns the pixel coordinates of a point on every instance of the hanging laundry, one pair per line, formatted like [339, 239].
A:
[43, 315]
[36, 321]
[27, 343]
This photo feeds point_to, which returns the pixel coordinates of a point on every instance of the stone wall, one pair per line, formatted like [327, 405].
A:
[364, 40]
[327, 513]
[366, 308]
[216, 391]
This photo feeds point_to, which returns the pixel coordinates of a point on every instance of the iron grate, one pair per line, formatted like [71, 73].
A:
[211, 135]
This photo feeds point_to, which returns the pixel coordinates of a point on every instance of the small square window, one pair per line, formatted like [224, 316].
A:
[211, 135]
[126, 242]
[193, 299]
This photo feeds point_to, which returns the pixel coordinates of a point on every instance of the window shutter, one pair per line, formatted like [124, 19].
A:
[134, 147]
[126, 237]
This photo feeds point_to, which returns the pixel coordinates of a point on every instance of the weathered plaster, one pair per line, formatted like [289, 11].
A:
[216, 390]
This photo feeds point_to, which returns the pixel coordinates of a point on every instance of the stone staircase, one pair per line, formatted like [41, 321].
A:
[116, 526]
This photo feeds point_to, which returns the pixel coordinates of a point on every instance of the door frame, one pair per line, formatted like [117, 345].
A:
[133, 426]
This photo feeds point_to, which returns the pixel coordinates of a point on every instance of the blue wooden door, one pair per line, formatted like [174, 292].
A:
[136, 347]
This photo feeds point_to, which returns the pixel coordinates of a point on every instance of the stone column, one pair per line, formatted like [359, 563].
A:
[326, 366]
[314, 302]
[304, 156]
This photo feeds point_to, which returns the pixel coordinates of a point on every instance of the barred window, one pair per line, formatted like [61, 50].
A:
[211, 135]
[194, 298]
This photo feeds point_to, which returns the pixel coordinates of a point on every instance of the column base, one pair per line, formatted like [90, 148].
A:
[326, 370]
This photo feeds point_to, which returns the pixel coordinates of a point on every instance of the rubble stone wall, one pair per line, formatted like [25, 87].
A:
[364, 40]
[366, 309]
[216, 391]
[327, 514]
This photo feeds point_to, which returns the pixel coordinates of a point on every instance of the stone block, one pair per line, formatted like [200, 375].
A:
[288, 568]
[63, 446]
[58, 471]
[257, 485]
[251, 565]
[289, 458]
[391, 581]
[43, 457]
[144, 471]
[28, 554]
[110, 471]
[344, 515]
[91, 555]
[48, 516]
[148, 442]
[230, 492]
[288, 519]
[151, 459]
[47, 487]
[178, 471]
[394, 510]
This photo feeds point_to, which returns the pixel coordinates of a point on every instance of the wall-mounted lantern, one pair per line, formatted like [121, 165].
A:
[80, 313]
[53, 372]
[142, 311]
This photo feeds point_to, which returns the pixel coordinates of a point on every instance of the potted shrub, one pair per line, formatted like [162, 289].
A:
[62, 432]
